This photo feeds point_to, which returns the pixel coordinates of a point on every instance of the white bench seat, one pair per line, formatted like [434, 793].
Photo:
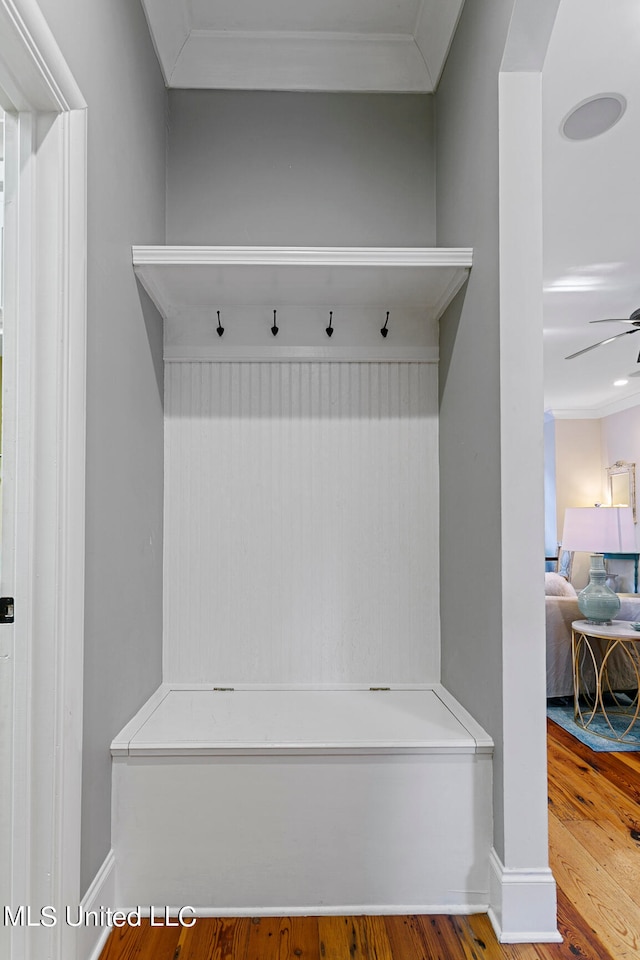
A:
[257, 801]
[203, 721]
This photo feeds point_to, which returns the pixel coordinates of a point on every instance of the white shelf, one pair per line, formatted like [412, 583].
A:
[183, 279]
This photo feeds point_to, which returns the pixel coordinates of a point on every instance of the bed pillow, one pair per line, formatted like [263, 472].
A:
[556, 586]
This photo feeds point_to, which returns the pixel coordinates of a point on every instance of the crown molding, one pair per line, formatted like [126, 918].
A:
[596, 413]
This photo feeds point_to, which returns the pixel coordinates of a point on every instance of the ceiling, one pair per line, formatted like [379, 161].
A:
[341, 45]
[591, 210]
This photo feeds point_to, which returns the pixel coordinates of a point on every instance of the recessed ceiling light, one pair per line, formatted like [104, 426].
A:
[620, 383]
[593, 116]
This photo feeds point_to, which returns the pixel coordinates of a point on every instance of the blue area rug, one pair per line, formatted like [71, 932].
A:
[560, 710]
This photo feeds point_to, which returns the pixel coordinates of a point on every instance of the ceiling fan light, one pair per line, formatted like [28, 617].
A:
[620, 383]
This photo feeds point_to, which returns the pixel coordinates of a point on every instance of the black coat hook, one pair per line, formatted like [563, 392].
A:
[329, 329]
[383, 330]
[274, 328]
[219, 328]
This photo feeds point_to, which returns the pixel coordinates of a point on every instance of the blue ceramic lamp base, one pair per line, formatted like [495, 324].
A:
[597, 602]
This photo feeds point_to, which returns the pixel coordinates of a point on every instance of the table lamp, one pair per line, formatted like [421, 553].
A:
[598, 530]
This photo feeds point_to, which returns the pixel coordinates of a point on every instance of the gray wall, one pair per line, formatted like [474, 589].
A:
[307, 169]
[107, 46]
[467, 186]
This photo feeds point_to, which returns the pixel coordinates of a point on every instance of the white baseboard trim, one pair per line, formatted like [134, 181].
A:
[313, 910]
[101, 893]
[100, 943]
[522, 904]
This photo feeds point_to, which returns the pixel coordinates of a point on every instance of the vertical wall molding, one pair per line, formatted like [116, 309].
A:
[301, 522]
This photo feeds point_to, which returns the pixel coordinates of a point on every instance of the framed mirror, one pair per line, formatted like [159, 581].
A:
[622, 485]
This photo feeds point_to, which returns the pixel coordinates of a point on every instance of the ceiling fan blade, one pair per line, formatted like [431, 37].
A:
[613, 320]
[601, 342]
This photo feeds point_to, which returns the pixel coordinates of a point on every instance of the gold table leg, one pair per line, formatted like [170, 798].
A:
[585, 652]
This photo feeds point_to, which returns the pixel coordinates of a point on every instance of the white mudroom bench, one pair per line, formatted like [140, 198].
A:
[302, 801]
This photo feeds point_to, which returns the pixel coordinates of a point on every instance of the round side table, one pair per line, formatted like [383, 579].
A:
[592, 645]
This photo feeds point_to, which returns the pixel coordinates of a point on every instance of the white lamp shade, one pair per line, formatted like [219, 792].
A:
[599, 530]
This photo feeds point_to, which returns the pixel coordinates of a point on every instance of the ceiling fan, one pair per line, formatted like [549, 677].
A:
[634, 320]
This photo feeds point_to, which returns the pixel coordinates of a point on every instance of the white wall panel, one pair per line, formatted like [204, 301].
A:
[301, 523]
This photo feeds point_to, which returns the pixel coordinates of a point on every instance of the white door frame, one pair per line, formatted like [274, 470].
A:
[45, 290]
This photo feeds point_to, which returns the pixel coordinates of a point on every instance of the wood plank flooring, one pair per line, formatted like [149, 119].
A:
[594, 835]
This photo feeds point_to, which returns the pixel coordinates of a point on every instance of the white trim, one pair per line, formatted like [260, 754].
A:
[377, 688]
[13, 834]
[164, 749]
[575, 414]
[101, 893]
[335, 910]
[484, 743]
[50, 311]
[70, 521]
[251, 354]
[121, 744]
[598, 413]
[522, 901]
[304, 256]
[35, 75]
[100, 945]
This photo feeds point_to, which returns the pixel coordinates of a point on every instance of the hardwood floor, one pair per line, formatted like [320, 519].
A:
[594, 832]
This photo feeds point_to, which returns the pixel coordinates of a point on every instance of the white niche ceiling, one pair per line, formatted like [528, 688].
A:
[347, 45]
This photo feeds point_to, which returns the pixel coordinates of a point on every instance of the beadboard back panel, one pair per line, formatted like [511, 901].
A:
[301, 523]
